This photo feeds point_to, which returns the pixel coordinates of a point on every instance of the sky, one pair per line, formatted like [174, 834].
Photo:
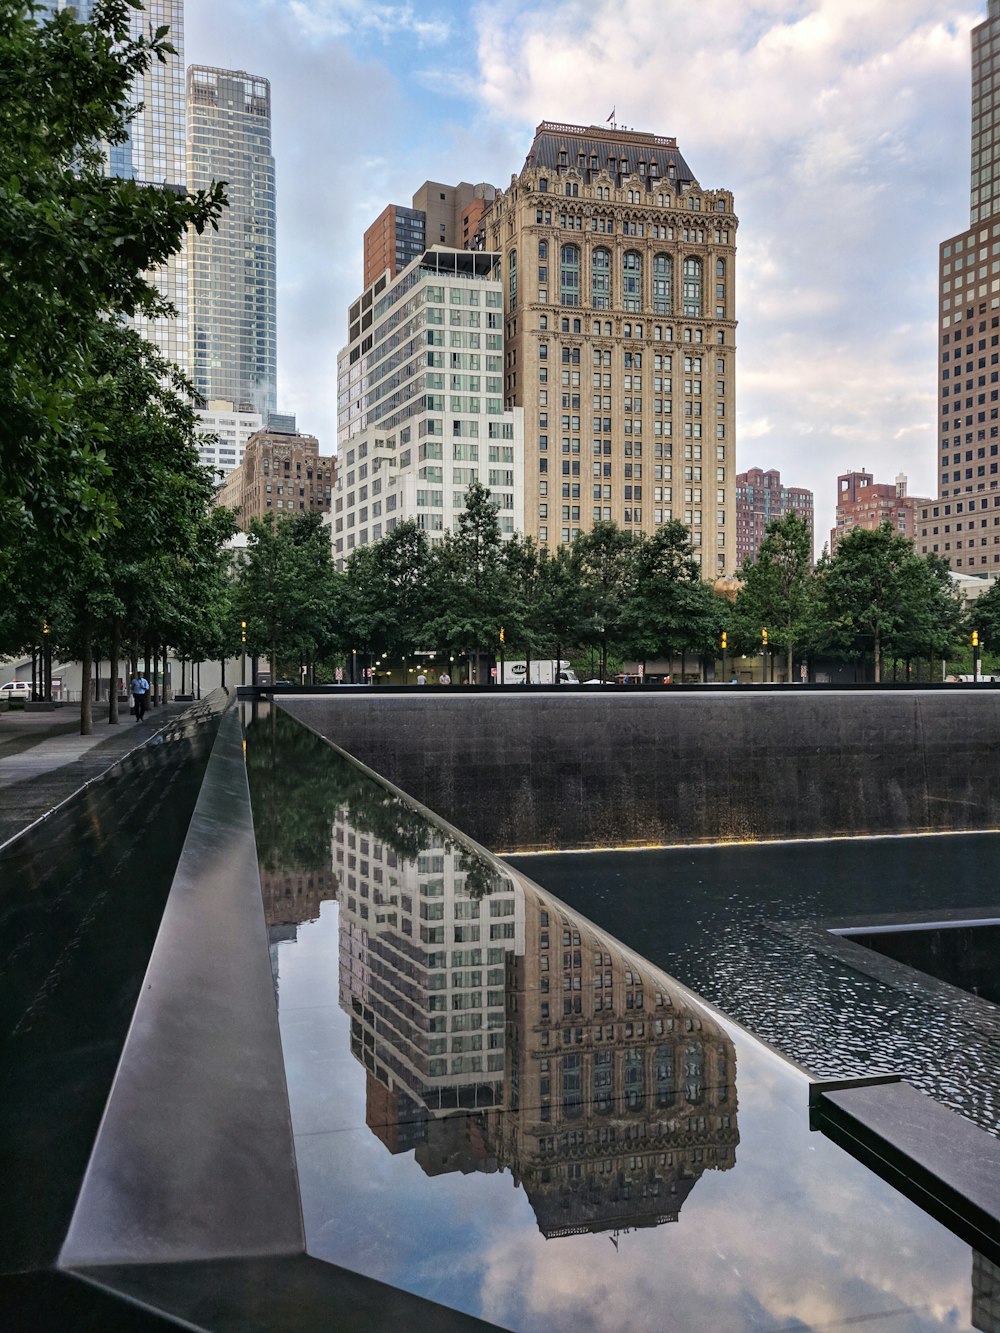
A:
[841, 126]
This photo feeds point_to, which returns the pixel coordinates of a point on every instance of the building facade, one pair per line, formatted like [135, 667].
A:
[959, 524]
[420, 403]
[761, 498]
[232, 269]
[446, 215]
[154, 154]
[864, 503]
[223, 435]
[620, 337]
[280, 474]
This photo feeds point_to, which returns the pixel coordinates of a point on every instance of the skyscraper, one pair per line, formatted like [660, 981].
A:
[963, 524]
[620, 337]
[154, 154]
[232, 271]
[420, 412]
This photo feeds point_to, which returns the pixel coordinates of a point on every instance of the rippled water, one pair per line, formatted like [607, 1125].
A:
[748, 928]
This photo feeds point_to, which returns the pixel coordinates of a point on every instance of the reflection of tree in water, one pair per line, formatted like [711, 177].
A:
[299, 784]
[294, 801]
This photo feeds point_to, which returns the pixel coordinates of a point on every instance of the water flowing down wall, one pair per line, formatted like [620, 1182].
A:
[631, 768]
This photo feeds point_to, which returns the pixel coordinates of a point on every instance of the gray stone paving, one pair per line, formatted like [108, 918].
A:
[44, 759]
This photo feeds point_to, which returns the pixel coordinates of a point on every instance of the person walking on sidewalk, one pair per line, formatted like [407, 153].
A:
[140, 695]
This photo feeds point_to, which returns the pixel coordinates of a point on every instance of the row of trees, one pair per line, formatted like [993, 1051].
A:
[620, 596]
[106, 542]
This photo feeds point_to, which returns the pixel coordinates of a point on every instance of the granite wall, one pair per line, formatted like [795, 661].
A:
[521, 771]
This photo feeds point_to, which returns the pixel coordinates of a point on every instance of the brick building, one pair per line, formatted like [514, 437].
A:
[761, 498]
[281, 473]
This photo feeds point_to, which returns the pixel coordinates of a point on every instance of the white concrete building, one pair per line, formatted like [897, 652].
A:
[420, 403]
[232, 428]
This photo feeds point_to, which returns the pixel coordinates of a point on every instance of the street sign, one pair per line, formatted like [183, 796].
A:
[339, 675]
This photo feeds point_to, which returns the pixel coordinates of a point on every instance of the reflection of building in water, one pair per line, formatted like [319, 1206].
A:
[422, 970]
[292, 896]
[985, 1294]
[620, 1092]
[604, 1092]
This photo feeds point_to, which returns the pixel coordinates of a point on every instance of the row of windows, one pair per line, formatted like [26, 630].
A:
[633, 295]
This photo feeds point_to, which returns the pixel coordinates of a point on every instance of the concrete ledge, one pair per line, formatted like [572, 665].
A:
[194, 1158]
[941, 1161]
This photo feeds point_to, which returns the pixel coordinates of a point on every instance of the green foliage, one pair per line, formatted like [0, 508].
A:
[670, 610]
[74, 248]
[287, 589]
[876, 596]
[778, 589]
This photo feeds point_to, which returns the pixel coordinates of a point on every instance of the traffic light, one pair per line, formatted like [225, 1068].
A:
[763, 637]
[243, 630]
[975, 638]
[502, 639]
[725, 641]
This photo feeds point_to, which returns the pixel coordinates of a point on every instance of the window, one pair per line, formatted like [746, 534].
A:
[512, 278]
[569, 275]
[632, 280]
[692, 287]
[600, 279]
[661, 285]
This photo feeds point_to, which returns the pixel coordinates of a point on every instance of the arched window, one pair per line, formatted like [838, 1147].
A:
[569, 275]
[694, 1072]
[600, 279]
[512, 279]
[662, 294]
[692, 287]
[633, 1077]
[632, 281]
[604, 1083]
[666, 1089]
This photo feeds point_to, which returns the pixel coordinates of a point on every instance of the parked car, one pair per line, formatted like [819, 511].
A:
[15, 689]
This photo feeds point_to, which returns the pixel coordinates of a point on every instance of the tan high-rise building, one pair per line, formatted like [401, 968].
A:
[620, 337]
[282, 473]
[963, 523]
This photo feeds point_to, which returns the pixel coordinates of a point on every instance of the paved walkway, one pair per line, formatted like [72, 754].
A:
[44, 759]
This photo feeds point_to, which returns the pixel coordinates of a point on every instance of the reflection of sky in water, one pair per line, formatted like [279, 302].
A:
[793, 1234]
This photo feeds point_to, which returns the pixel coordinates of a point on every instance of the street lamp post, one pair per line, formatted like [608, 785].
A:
[243, 661]
[763, 656]
[975, 657]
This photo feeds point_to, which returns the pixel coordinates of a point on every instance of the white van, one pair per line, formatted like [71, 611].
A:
[15, 689]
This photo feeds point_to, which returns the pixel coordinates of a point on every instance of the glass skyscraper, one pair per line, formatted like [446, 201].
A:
[154, 154]
[232, 271]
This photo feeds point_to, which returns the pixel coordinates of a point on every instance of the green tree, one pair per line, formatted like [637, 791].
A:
[778, 588]
[75, 246]
[386, 605]
[871, 593]
[671, 609]
[471, 584]
[607, 564]
[288, 590]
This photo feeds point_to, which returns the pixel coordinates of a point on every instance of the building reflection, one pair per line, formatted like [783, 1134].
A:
[500, 1032]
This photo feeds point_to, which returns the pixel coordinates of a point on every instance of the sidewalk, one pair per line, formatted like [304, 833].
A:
[44, 759]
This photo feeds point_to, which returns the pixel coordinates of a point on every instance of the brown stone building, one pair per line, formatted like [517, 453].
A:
[864, 503]
[441, 215]
[760, 499]
[281, 474]
[620, 337]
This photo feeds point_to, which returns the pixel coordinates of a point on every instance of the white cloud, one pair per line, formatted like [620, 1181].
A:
[343, 18]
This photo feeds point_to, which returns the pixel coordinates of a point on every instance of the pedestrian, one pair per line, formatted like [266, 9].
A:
[421, 679]
[139, 688]
[444, 678]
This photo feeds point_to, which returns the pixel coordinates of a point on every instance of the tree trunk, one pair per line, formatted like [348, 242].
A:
[86, 670]
[878, 658]
[116, 648]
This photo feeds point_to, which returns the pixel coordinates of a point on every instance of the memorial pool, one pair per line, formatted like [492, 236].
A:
[500, 1103]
